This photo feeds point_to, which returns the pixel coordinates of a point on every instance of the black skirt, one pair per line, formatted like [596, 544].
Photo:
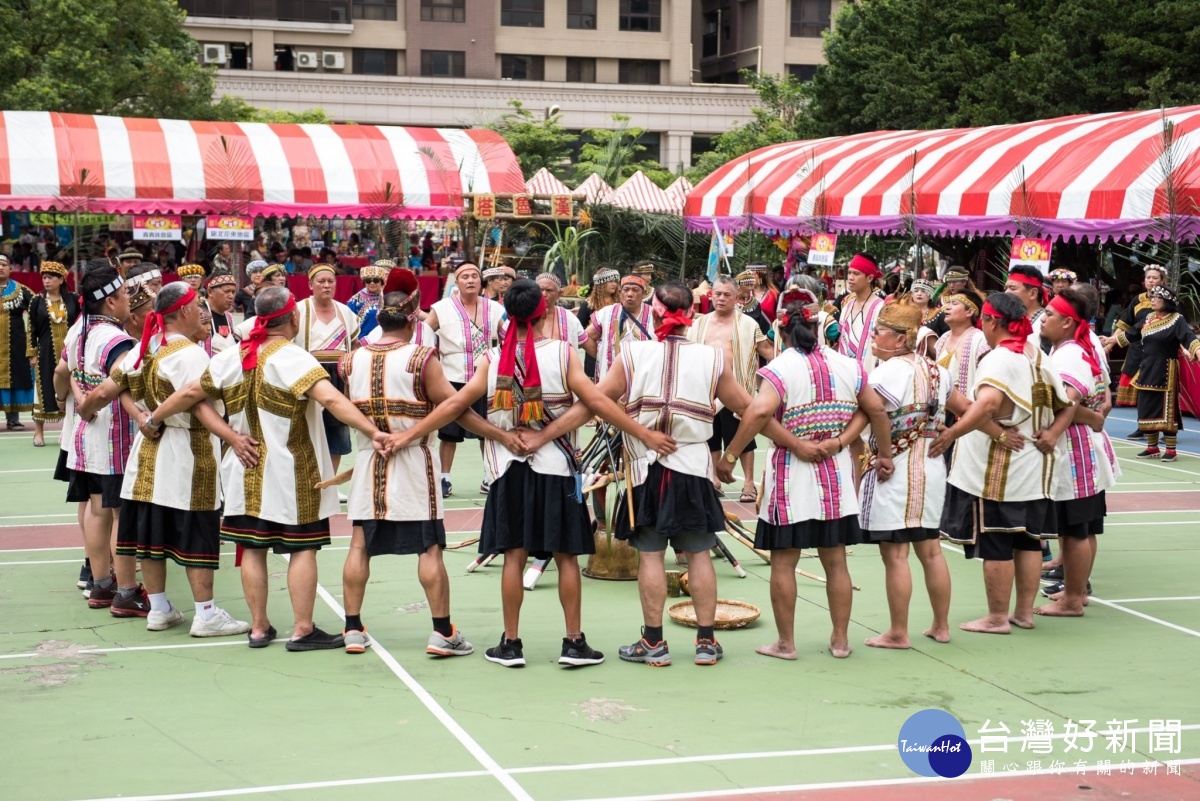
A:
[61, 471]
[808, 534]
[150, 531]
[1158, 410]
[1081, 517]
[672, 503]
[253, 532]
[536, 512]
[82, 486]
[899, 535]
[401, 537]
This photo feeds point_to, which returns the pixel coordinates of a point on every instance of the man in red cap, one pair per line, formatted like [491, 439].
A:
[858, 310]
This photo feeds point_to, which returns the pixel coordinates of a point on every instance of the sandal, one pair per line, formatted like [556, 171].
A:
[41, 444]
[262, 642]
[749, 495]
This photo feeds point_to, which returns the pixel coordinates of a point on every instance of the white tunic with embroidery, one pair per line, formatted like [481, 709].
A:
[463, 339]
[340, 333]
[854, 329]
[987, 470]
[179, 468]
[615, 331]
[672, 387]
[1090, 464]
[387, 384]
[550, 459]
[914, 495]
[101, 445]
[961, 360]
[818, 395]
[746, 336]
[422, 335]
[271, 404]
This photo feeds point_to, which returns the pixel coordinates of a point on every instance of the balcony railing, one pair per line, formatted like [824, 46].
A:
[286, 10]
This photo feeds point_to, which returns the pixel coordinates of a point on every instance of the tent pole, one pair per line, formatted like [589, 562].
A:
[683, 259]
[75, 246]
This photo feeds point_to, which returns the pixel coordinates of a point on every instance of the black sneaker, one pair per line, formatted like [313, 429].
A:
[654, 654]
[1138, 434]
[507, 653]
[1055, 589]
[85, 576]
[1054, 573]
[101, 598]
[578, 653]
[447, 488]
[137, 605]
[1168, 455]
[708, 652]
[316, 640]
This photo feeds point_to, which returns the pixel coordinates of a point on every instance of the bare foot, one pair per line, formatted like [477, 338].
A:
[1021, 622]
[939, 635]
[986, 625]
[1058, 596]
[777, 650]
[839, 650]
[1058, 608]
[888, 640]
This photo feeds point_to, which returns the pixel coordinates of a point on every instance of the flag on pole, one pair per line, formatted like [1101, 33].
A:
[716, 248]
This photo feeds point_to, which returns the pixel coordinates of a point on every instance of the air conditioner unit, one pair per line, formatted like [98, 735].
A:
[307, 60]
[333, 60]
[215, 54]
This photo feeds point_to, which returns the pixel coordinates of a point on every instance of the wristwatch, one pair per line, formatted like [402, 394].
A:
[730, 457]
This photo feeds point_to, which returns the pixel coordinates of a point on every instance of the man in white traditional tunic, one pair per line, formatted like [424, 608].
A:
[171, 495]
[959, 350]
[395, 503]
[536, 505]
[741, 342]
[328, 330]
[858, 310]
[999, 500]
[466, 327]
[221, 289]
[274, 390]
[1025, 282]
[1089, 467]
[614, 326]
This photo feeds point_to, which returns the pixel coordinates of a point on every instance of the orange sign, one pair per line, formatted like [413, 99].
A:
[1030, 251]
[560, 206]
[225, 227]
[821, 248]
[485, 207]
[161, 228]
[521, 206]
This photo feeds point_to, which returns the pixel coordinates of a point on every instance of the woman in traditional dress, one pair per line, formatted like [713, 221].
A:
[16, 379]
[605, 291]
[765, 291]
[815, 392]
[1162, 333]
[51, 313]
[906, 508]
[815, 290]
[920, 294]
[1135, 313]
[367, 300]
[959, 350]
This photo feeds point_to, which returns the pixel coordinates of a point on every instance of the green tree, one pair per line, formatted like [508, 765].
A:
[536, 143]
[617, 154]
[231, 108]
[775, 121]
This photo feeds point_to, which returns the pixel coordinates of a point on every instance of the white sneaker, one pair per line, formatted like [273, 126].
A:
[222, 624]
[161, 621]
[449, 646]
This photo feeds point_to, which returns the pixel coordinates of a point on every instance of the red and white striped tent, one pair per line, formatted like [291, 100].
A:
[678, 192]
[641, 194]
[73, 162]
[594, 189]
[543, 182]
[1089, 176]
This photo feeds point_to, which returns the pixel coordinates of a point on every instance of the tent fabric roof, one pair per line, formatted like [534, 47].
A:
[595, 189]
[641, 194]
[74, 162]
[678, 192]
[1088, 176]
[543, 182]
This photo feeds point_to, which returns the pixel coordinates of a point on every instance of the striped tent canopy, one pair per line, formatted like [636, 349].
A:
[543, 182]
[678, 192]
[114, 165]
[641, 194]
[1089, 177]
[594, 189]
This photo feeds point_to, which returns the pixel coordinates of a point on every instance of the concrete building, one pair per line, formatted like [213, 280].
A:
[671, 65]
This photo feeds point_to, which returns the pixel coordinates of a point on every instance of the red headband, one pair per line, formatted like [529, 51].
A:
[1082, 331]
[1020, 329]
[670, 319]
[154, 323]
[258, 334]
[865, 266]
[805, 312]
[532, 407]
[1029, 281]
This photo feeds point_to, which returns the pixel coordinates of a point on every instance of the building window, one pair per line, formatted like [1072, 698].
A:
[641, 15]
[581, 14]
[523, 13]
[375, 9]
[581, 70]
[802, 72]
[337, 11]
[239, 56]
[523, 68]
[374, 62]
[632, 70]
[810, 17]
[443, 10]
[443, 63]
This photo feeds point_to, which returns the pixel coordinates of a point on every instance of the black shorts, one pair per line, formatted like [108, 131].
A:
[725, 425]
[1001, 546]
[452, 431]
[82, 486]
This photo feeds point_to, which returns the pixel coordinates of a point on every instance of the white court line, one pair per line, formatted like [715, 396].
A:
[1112, 491]
[793, 788]
[1155, 512]
[38, 517]
[32, 470]
[1160, 465]
[282, 788]
[119, 648]
[1148, 600]
[430, 703]
[1168, 523]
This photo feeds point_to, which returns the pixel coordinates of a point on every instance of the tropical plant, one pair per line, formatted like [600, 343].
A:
[567, 244]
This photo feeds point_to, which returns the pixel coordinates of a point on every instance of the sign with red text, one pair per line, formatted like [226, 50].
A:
[1030, 251]
[229, 227]
[158, 227]
[821, 249]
